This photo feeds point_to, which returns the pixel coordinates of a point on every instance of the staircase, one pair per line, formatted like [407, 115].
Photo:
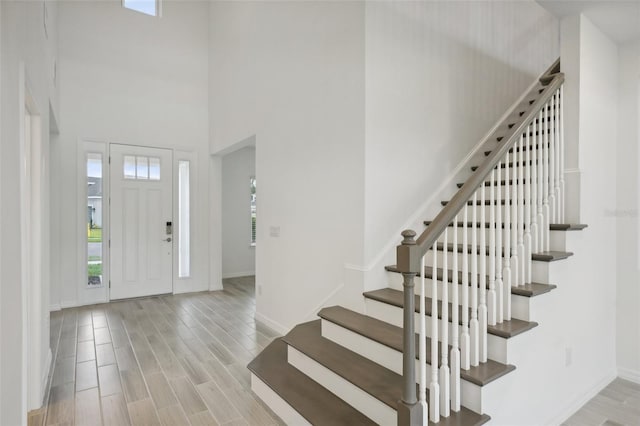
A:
[474, 285]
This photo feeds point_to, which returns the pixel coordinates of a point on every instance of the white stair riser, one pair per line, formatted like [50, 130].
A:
[519, 304]
[368, 405]
[501, 188]
[541, 271]
[487, 212]
[557, 241]
[392, 359]
[279, 406]
[393, 315]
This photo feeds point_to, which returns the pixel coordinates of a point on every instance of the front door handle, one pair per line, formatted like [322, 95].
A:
[167, 240]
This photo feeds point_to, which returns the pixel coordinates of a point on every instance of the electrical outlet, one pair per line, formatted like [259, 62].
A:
[259, 290]
[274, 231]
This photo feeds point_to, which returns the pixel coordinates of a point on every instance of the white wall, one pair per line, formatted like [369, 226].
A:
[292, 74]
[371, 125]
[590, 318]
[24, 42]
[627, 212]
[438, 77]
[129, 78]
[238, 256]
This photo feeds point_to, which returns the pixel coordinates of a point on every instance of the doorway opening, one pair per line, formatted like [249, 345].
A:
[240, 215]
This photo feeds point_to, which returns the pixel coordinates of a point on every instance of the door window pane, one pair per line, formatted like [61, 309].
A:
[154, 168]
[184, 229]
[142, 169]
[94, 219]
[129, 167]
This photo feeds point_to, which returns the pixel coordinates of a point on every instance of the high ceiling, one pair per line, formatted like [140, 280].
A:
[619, 19]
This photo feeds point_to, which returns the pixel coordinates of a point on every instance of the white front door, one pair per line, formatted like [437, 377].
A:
[141, 221]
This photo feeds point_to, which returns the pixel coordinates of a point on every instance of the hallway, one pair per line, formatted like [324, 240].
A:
[171, 360]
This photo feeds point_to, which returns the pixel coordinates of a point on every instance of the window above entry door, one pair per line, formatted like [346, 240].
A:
[148, 7]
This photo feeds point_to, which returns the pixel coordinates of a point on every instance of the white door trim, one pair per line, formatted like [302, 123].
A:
[83, 296]
[31, 193]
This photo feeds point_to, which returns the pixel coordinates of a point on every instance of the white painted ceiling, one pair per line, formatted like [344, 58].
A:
[619, 19]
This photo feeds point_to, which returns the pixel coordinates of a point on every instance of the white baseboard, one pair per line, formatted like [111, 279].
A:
[73, 304]
[278, 328]
[313, 314]
[629, 374]
[238, 274]
[53, 308]
[570, 410]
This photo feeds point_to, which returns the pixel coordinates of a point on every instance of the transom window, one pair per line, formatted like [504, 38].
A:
[141, 167]
[148, 7]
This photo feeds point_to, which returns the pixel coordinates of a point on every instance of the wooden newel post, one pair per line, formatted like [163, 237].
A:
[409, 411]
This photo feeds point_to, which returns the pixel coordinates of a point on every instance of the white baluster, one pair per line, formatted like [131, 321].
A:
[562, 183]
[499, 254]
[558, 209]
[434, 388]
[552, 162]
[491, 294]
[465, 344]
[535, 236]
[455, 351]
[473, 324]
[507, 242]
[545, 178]
[482, 286]
[540, 182]
[515, 264]
[422, 343]
[520, 231]
[527, 208]
[444, 365]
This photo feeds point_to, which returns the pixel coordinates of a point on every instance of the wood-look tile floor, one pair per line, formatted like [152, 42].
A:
[181, 360]
[617, 404]
[167, 360]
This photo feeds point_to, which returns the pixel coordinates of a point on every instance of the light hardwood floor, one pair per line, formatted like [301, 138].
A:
[617, 404]
[181, 360]
[168, 360]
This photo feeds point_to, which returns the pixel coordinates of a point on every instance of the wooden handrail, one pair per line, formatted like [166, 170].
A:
[409, 255]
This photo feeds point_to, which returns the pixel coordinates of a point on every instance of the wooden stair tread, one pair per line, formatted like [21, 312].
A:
[379, 382]
[488, 183]
[479, 202]
[567, 226]
[552, 226]
[551, 256]
[546, 256]
[391, 336]
[506, 329]
[376, 380]
[315, 403]
[527, 290]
